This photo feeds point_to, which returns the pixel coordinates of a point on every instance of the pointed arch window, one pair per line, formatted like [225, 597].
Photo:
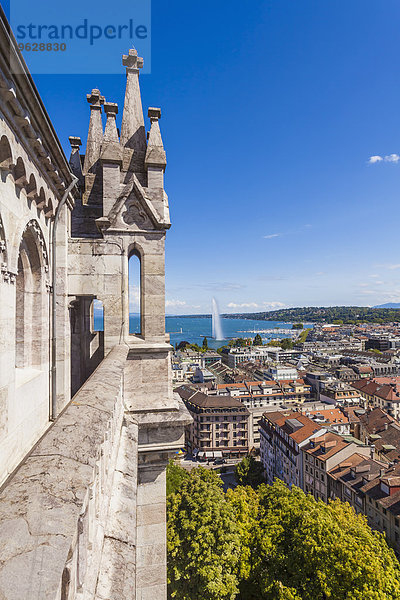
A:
[31, 303]
[135, 294]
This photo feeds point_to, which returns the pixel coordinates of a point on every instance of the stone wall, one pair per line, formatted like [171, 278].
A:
[84, 515]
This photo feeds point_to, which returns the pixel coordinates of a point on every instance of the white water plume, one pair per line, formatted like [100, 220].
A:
[217, 332]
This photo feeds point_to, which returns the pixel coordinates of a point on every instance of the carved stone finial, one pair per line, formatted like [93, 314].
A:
[132, 60]
[95, 99]
[154, 113]
[111, 108]
[75, 142]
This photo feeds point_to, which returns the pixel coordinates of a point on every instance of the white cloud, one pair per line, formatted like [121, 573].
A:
[392, 158]
[263, 305]
[221, 286]
[272, 235]
[392, 267]
[175, 303]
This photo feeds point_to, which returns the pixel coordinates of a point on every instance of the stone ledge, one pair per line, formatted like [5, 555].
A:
[52, 506]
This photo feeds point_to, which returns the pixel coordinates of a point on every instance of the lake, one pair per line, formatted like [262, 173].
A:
[195, 329]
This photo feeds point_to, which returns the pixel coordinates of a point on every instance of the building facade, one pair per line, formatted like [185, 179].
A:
[322, 454]
[220, 423]
[282, 435]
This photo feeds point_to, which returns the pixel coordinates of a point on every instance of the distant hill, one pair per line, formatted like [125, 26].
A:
[388, 305]
[326, 314]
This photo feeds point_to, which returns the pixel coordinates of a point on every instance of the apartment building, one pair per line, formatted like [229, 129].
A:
[347, 479]
[339, 393]
[321, 454]
[262, 396]
[331, 417]
[384, 396]
[282, 435]
[220, 423]
[279, 372]
[382, 504]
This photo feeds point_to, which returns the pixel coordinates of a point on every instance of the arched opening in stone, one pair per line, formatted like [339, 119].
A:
[6, 158]
[31, 305]
[135, 294]
[87, 338]
[97, 315]
[31, 188]
[20, 173]
[48, 210]
[65, 584]
[41, 200]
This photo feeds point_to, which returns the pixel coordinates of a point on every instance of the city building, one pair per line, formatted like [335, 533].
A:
[203, 376]
[338, 393]
[232, 357]
[347, 479]
[220, 423]
[382, 504]
[331, 417]
[384, 396]
[261, 396]
[280, 372]
[282, 435]
[321, 454]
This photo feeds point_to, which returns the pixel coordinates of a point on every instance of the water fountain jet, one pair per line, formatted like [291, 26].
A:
[217, 332]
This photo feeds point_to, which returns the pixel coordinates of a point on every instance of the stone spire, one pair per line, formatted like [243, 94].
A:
[75, 159]
[111, 132]
[95, 135]
[155, 155]
[132, 130]
[111, 151]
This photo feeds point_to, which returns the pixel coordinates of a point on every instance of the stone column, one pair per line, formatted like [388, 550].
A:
[93, 145]
[63, 329]
[161, 418]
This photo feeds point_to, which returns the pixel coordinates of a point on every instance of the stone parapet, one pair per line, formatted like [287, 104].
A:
[84, 515]
[54, 512]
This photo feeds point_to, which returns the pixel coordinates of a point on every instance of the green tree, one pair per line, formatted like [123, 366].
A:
[183, 345]
[249, 472]
[205, 344]
[175, 477]
[310, 550]
[244, 502]
[286, 344]
[297, 326]
[203, 541]
[257, 340]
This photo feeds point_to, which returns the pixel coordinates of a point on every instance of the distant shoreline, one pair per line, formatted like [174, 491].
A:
[337, 315]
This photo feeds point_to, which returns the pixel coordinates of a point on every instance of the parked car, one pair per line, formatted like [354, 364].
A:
[219, 461]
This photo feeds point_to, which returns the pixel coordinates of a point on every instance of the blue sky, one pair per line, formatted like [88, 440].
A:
[271, 111]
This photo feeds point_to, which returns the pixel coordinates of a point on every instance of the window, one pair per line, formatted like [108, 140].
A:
[31, 301]
[135, 294]
[97, 315]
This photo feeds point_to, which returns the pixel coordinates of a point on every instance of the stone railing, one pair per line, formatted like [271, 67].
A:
[83, 517]
[54, 511]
